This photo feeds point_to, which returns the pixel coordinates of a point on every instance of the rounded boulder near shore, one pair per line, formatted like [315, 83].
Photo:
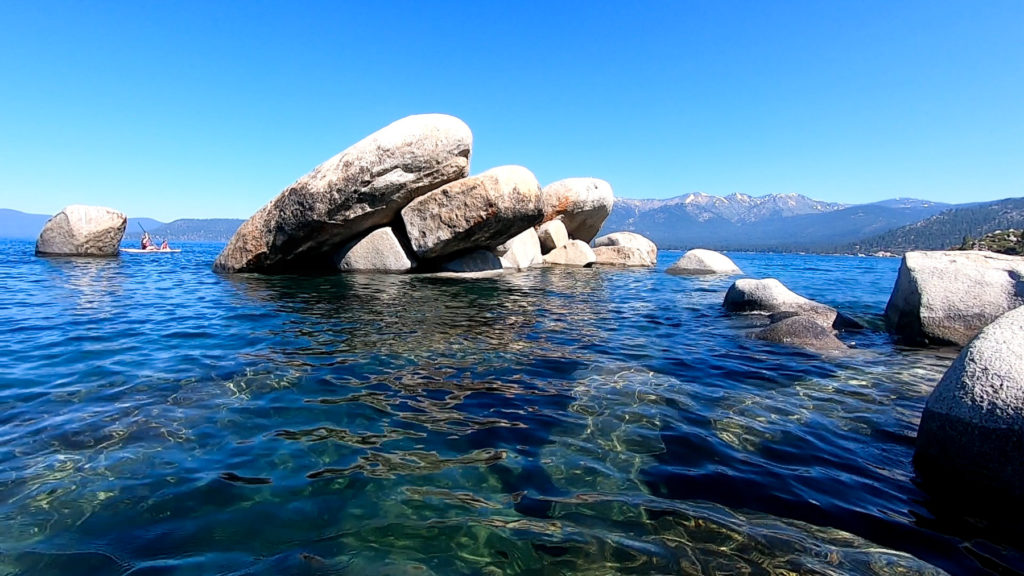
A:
[82, 231]
[970, 442]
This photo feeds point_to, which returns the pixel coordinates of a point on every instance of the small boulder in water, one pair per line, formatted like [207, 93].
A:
[575, 253]
[970, 442]
[801, 331]
[82, 231]
[632, 240]
[378, 251]
[629, 256]
[477, 261]
[700, 262]
[769, 296]
[520, 252]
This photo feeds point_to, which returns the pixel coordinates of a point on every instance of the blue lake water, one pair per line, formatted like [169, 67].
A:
[159, 419]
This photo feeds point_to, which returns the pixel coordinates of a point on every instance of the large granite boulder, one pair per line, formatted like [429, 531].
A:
[575, 253]
[520, 252]
[82, 231]
[482, 211]
[629, 256]
[552, 234]
[631, 239]
[700, 262]
[947, 297]
[801, 331]
[378, 251]
[582, 204]
[362, 188]
[770, 296]
[970, 442]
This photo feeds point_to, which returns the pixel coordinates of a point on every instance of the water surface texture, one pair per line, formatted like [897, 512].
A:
[159, 419]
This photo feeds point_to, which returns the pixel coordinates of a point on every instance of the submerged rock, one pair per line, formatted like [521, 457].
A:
[482, 211]
[947, 297]
[700, 262]
[82, 231]
[770, 296]
[631, 239]
[801, 331]
[629, 256]
[476, 261]
[582, 204]
[552, 235]
[575, 253]
[970, 443]
[520, 252]
[378, 251]
[362, 188]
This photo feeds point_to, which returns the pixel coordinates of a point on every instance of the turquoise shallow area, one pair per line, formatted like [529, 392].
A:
[159, 419]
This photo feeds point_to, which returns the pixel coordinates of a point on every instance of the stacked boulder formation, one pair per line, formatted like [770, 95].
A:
[402, 200]
[82, 231]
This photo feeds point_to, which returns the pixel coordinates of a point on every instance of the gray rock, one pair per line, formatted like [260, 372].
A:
[632, 240]
[770, 296]
[575, 253]
[482, 211]
[520, 252]
[699, 262]
[552, 235]
[947, 297]
[970, 443]
[378, 251]
[362, 188]
[629, 256]
[582, 204]
[477, 261]
[82, 231]
[801, 331]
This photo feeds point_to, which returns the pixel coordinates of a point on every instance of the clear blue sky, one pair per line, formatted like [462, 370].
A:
[208, 109]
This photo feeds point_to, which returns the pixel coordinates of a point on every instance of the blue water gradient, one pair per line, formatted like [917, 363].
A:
[159, 419]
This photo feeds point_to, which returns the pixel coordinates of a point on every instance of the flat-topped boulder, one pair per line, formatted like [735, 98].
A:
[800, 331]
[699, 261]
[628, 256]
[632, 240]
[79, 230]
[552, 234]
[582, 204]
[575, 253]
[481, 211]
[970, 442]
[521, 252]
[378, 251]
[948, 297]
[769, 296]
[362, 188]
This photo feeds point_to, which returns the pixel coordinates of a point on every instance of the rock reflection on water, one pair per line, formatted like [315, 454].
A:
[549, 422]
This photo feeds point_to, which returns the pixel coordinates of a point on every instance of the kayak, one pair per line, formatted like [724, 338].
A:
[141, 251]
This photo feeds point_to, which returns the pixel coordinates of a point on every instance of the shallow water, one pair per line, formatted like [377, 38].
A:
[159, 419]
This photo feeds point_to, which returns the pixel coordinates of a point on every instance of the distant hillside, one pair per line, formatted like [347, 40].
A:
[781, 222]
[21, 225]
[947, 229]
[192, 230]
[1009, 242]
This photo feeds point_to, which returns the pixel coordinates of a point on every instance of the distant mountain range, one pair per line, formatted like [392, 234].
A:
[778, 223]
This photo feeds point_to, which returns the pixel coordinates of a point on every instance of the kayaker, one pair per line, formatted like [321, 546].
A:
[147, 244]
[164, 246]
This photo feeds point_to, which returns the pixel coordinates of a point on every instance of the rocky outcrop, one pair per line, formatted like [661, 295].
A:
[82, 231]
[771, 296]
[970, 442]
[800, 331]
[520, 252]
[700, 262]
[947, 297]
[628, 256]
[361, 188]
[476, 261]
[631, 239]
[483, 211]
[378, 251]
[575, 253]
[582, 204]
[552, 235]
